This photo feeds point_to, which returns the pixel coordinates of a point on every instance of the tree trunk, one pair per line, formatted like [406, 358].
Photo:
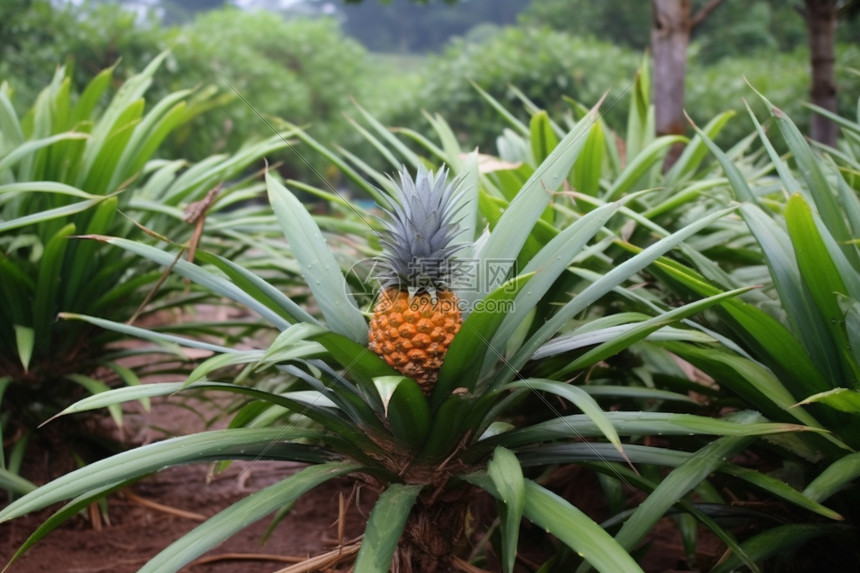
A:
[670, 36]
[821, 24]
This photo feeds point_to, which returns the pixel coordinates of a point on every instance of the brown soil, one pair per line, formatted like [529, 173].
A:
[155, 511]
[136, 532]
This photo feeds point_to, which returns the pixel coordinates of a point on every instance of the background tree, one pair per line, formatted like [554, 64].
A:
[680, 30]
[821, 18]
[672, 24]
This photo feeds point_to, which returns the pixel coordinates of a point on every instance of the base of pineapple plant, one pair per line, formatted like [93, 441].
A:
[435, 532]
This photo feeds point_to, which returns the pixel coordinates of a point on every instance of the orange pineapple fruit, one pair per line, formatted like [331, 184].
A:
[416, 314]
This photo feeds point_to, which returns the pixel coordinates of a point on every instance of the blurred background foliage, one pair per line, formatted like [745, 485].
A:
[305, 60]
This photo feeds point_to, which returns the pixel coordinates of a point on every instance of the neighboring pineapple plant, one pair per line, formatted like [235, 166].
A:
[417, 314]
[86, 164]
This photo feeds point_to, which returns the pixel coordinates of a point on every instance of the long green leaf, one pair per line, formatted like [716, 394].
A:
[406, 409]
[733, 173]
[695, 151]
[362, 364]
[385, 526]
[10, 126]
[31, 147]
[643, 329]
[842, 399]
[821, 275]
[91, 95]
[801, 311]
[459, 416]
[15, 483]
[202, 447]
[243, 513]
[635, 423]
[836, 476]
[636, 480]
[315, 406]
[749, 379]
[130, 92]
[215, 283]
[338, 162]
[588, 168]
[462, 365]
[605, 284]
[451, 151]
[507, 475]
[595, 333]
[576, 396]
[549, 263]
[779, 488]
[85, 253]
[542, 455]
[13, 189]
[784, 539]
[389, 140]
[514, 122]
[148, 135]
[516, 223]
[61, 212]
[24, 341]
[318, 264]
[145, 334]
[94, 386]
[48, 287]
[256, 287]
[811, 170]
[640, 163]
[773, 342]
[543, 138]
[575, 529]
[680, 481]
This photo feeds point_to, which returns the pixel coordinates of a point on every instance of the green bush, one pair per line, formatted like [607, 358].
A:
[546, 66]
[723, 86]
[86, 38]
[300, 70]
[72, 170]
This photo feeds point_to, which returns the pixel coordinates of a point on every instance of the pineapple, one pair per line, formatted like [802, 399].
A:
[417, 314]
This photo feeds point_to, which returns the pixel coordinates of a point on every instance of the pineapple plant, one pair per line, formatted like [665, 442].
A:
[502, 416]
[91, 163]
[417, 313]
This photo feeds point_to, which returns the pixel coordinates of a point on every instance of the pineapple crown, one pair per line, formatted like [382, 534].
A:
[418, 240]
